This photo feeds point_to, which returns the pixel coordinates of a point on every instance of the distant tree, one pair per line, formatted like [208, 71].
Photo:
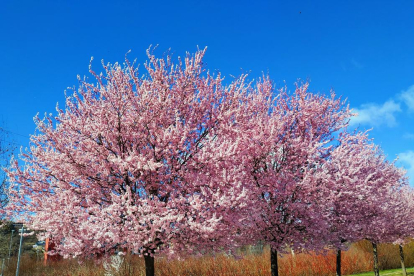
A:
[362, 191]
[139, 163]
[383, 214]
[10, 239]
[400, 208]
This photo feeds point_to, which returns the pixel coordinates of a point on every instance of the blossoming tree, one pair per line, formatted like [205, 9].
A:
[404, 219]
[138, 163]
[286, 157]
[362, 189]
[383, 213]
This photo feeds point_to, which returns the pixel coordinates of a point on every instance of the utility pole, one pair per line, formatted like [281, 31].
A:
[20, 249]
[11, 240]
[2, 267]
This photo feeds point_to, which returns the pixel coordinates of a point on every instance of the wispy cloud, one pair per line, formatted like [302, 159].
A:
[409, 136]
[407, 97]
[373, 114]
[407, 160]
[351, 64]
[356, 64]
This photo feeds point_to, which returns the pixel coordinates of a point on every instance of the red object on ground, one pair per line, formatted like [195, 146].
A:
[50, 246]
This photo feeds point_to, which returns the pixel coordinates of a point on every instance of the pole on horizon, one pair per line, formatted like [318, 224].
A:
[20, 250]
[2, 267]
[10, 246]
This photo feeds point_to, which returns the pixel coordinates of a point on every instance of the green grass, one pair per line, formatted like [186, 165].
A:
[390, 272]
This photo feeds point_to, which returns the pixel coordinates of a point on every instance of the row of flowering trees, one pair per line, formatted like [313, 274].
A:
[178, 161]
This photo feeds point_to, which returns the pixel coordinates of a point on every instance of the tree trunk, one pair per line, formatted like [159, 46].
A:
[273, 262]
[149, 265]
[376, 268]
[402, 260]
[338, 262]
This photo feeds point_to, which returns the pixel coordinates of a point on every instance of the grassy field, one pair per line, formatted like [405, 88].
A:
[389, 272]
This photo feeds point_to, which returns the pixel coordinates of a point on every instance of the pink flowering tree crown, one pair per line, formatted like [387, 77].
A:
[365, 193]
[285, 165]
[143, 163]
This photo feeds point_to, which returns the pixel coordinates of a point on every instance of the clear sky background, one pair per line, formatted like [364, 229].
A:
[364, 50]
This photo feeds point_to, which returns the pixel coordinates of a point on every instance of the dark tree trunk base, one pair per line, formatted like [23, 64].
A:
[149, 266]
[273, 262]
[402, 260]
[376, 267]
[338, 262]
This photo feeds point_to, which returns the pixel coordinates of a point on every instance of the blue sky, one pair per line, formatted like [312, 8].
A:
[361, 49]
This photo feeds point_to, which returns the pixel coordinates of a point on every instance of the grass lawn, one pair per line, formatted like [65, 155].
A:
[390, 272]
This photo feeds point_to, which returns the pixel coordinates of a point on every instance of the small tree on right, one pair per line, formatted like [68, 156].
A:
[382, 216]
[401, 230]
[363, 195]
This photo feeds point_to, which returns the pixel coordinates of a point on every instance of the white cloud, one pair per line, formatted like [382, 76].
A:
[407, 160]
[407, 97]
[409, 136]
[356, 64]
[373, 114]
